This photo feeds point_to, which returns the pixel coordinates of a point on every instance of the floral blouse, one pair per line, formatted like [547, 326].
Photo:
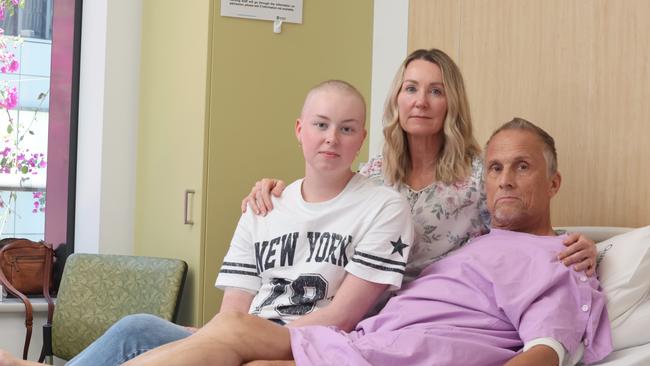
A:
[445, 216]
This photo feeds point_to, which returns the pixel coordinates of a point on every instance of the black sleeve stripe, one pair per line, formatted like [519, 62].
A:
[231, 271]
[376, 266]
[380, 259]
[244, 265]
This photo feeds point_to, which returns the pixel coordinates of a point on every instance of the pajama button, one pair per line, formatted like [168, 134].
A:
[585, 308]
[583, 278]
[586, 342]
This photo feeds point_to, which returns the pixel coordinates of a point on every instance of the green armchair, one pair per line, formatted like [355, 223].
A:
[97, 290]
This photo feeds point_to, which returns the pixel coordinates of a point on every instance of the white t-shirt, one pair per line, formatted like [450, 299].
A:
[296, 257]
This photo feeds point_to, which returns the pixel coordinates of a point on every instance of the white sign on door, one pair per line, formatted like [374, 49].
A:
[289, 11]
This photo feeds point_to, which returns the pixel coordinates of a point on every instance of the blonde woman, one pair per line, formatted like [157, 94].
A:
[431, 157]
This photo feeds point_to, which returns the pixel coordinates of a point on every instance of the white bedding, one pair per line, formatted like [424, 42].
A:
[632, 343]
[597, 233]
[633, 330]
[630, 331]
[633, 356]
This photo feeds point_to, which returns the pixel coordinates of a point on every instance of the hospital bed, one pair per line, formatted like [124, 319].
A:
[624, 272]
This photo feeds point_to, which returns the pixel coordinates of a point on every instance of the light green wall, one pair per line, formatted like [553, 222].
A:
[171, 135]
[258, 82]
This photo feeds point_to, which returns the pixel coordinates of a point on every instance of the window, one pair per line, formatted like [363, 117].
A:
[37, 189]
[34, 20]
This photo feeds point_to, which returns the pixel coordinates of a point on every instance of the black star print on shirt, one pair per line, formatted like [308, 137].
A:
[398, 246]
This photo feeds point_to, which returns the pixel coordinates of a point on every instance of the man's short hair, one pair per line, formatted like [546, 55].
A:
[550, 154]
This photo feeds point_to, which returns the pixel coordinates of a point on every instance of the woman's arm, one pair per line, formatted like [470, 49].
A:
[580, 252]
[352, 301]
[260, 197]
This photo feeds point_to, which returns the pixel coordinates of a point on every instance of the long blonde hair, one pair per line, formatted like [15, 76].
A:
[459, 145]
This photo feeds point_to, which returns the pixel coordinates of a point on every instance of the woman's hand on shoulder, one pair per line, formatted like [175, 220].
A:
[260, 197]
[580, 253]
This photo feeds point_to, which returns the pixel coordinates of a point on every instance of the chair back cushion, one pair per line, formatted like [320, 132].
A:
[97, 290]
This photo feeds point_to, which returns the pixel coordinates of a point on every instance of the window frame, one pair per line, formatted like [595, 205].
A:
[63, 122]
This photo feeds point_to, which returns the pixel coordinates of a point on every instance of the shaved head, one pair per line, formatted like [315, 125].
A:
[336, 86]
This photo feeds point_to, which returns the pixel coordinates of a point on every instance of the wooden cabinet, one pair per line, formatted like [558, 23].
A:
[171, 138]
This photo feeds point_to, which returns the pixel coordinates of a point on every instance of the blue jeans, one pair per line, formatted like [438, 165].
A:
[128, 338]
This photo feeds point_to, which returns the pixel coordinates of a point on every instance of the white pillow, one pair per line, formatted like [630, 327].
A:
[624, 273]
[632, 330]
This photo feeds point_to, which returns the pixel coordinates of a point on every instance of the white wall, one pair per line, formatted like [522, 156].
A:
[389, 45]
[108, 122]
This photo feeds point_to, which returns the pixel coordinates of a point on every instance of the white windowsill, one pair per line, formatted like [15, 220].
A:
[14, 305]
[12, 320]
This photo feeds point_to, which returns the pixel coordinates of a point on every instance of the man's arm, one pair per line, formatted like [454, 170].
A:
[271, 363]
[352, 301]
[539, 355]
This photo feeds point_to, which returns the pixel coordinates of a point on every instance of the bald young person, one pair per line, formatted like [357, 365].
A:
[502, 299]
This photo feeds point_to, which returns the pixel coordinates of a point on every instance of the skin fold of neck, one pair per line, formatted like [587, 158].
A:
[424, 152]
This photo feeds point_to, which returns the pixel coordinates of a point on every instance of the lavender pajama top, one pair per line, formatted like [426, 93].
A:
[477, 306]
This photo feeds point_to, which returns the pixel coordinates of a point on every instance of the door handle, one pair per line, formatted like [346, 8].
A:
[187, 219]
